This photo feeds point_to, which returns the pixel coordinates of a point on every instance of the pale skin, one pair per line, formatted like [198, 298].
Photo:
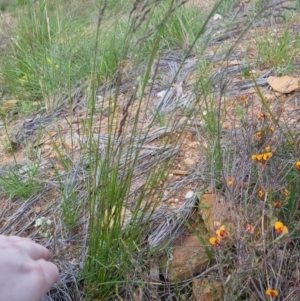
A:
[26, 274]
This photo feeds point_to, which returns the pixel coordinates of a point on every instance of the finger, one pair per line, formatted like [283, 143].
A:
[13, 239]
[33, 250]
[50, 272]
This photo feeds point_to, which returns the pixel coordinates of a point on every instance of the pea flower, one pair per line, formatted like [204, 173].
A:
[214, 241]
[280, 228]
[222, 232]
[262, 157]
[261, 193]
[230, 181]
[272, 292]
[261, 116]
[286, 192]
[250, 228]
[277, 205]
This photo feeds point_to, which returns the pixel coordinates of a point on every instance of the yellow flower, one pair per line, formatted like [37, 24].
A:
[261, 116]
[298, 165]
[222, 232]
[286, 192]
[57, 66]
[230, 181]
[243, 99]
[267, 156]
[23, 79]
[257, 158]
[260, 157]
[214, 241]
[272, 292]
[49, 61]
[261, 193]
[280, 228]
[267, 149]
[272, 129]
[258, 135]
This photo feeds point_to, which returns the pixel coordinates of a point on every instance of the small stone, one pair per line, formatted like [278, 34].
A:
[190, 163]
[171, 200]
[189, 194]
[217, 17]
[183, 120]
[296, 274]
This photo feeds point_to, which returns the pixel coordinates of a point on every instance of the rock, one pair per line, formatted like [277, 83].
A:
[189, 194]
[188, 259]
[190, 163]
[217, 17]
[284, 84]
[183, 120]
[296, 274]
[205, 289]
[213, 208]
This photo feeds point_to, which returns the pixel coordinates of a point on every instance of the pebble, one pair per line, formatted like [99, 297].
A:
[188, 162]
[189, 194]
[217, 17]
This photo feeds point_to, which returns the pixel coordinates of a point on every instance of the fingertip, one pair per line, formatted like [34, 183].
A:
[50, 271]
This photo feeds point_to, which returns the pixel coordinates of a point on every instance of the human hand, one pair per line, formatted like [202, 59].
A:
[25, 272]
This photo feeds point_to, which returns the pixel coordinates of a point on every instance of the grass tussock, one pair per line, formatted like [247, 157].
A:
[128, 91]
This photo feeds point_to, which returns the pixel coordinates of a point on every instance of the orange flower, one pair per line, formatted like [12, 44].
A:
[272, 293]
[260, 157]
[280, 228]
[261, 116]
[214, 241]
[243, 99]
[261, 193]
[222, 232]
[250, 228]
[267, 156]
[277, 205]
[257, 158]
[258, 135]
[298, 165]
[230, 181]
